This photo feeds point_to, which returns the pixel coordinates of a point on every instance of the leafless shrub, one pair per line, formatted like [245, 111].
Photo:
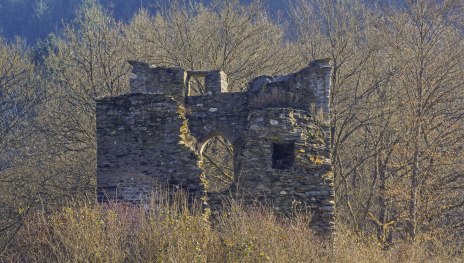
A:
[169, 230]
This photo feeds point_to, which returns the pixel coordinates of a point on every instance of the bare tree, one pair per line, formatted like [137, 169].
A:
[396, 111]
[21, 93]
[239, 39]
[90, 62]
[425, 43]
[342, 31]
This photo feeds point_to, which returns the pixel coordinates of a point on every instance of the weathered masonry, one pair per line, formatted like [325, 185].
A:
[154, 135]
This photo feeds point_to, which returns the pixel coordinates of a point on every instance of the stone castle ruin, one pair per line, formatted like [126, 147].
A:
[154, 135]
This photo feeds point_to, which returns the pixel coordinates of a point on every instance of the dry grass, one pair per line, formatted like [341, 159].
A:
[170, 231]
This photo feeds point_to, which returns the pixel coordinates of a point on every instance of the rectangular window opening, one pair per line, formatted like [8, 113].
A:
[196, 85]
[283, 155]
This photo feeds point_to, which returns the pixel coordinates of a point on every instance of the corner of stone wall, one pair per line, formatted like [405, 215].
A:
[158, 80]
[216, 81]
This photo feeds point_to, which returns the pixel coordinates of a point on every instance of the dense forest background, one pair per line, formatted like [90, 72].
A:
[396, 120]
[34, 19]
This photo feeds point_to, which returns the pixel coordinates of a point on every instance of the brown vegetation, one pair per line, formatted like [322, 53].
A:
[170, 231]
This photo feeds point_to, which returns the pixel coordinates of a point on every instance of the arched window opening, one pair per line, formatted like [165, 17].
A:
[217, 162]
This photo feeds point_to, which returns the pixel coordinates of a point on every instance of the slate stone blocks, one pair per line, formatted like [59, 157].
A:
[154, 135]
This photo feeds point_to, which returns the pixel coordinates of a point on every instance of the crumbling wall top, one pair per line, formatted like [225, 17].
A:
[215, 81]
[308, 88]
[173, 81]
[157, 80]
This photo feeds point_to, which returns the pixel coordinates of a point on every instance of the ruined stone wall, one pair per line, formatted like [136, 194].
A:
[281, 153]
[222, 114]
[305, 183]
[158, 80]
[302, 90]
[139, 146]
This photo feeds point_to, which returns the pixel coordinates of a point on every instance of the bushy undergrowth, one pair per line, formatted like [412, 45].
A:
[169, 231]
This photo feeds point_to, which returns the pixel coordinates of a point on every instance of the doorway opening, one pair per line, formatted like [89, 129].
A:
[217, 162]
